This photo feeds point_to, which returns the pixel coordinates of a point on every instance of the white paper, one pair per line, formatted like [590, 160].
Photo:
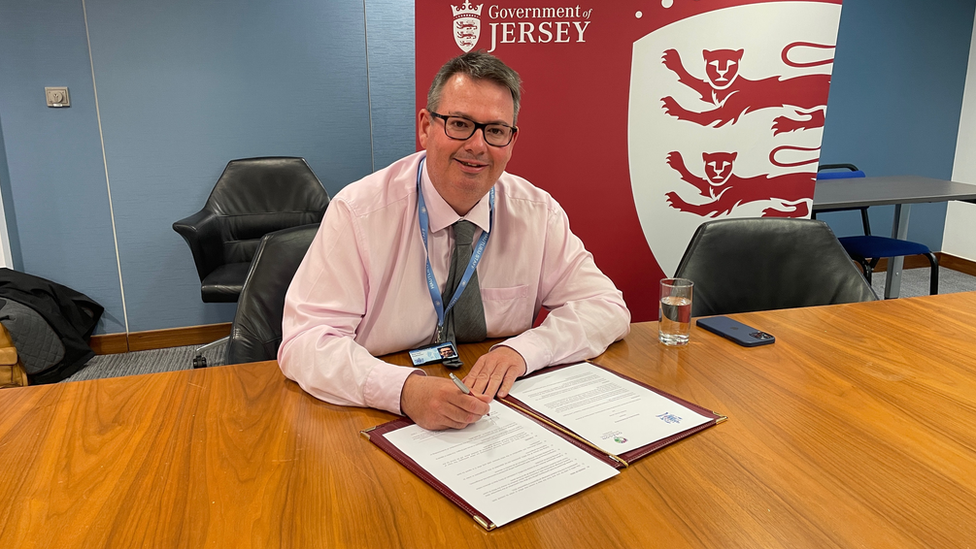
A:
[605, 409]
[505, 465]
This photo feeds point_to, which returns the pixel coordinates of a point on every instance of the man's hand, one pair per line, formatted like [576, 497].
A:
[436, 403]
[495, 372]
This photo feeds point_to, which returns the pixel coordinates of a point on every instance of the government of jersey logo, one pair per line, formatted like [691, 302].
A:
[467, 25]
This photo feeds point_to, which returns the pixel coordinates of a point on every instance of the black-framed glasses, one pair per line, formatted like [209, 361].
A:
[460, 128]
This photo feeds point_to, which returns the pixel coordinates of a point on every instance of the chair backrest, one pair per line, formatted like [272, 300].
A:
[756, 264]
[256, 196]
[256, 332]
[845, 171]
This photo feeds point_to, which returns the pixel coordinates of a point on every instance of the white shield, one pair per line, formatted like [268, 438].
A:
[467, 30]
[762, 30]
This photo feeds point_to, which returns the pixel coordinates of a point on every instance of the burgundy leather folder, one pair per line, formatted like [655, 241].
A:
[376, 435]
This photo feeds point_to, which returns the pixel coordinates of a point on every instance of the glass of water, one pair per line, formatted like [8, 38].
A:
[675, 325]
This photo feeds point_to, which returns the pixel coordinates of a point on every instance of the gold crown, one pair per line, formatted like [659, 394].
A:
[467, 9]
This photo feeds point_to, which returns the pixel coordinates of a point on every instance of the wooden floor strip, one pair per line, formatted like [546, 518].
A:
[106, 344]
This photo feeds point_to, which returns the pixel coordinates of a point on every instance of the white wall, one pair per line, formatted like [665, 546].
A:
[960, 227]
[6, 259]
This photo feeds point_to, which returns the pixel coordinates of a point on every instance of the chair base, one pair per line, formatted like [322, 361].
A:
[868, 265]
[200, 361]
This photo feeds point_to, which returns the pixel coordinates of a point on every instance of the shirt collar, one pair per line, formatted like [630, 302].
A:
[442, 215]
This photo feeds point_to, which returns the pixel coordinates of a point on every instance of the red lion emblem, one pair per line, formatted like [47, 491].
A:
[728, 190]
[734, 95]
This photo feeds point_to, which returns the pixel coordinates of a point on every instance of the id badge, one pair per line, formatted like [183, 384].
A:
[444, 352]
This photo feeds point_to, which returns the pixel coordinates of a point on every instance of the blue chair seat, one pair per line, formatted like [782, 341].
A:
[870, 247]
[868, 250]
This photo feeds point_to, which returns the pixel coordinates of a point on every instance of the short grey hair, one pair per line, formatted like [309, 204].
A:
[479, 66]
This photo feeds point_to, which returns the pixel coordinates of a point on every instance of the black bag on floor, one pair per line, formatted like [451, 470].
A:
[50, 325]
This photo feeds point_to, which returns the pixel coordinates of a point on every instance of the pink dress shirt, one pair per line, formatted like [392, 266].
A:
[361, 289]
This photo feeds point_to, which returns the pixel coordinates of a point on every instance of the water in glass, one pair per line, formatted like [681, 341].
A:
[675, 320]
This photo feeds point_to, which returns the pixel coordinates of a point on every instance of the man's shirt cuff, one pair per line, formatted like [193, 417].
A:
[384, 384]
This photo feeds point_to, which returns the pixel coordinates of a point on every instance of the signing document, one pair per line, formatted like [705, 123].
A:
[505, 465]
[558, 432]
[607, 410]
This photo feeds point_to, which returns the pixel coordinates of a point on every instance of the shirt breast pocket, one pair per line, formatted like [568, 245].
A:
[508, 311]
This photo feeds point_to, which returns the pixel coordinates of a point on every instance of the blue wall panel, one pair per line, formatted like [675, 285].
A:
[390, 41]
[54, 159]
[895, 99]
[184, 86]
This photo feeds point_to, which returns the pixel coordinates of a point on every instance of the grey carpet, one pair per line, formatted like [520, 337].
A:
[146, 362]
[915, 282]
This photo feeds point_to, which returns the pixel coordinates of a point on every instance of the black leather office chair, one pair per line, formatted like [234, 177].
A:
[252, 197]
[869, 249]
[256, 333]
[756, 264]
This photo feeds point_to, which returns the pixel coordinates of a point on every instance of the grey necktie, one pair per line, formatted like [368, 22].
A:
[465, 321]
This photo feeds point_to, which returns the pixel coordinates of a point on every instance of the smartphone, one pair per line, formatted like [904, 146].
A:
[747, 336]
[442, 352]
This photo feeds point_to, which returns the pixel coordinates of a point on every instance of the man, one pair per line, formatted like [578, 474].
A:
[446, 352]
[374, 279]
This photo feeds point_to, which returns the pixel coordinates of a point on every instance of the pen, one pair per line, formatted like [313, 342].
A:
[460, 384]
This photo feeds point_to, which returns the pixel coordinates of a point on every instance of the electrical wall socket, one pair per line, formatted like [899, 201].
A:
[57, 97]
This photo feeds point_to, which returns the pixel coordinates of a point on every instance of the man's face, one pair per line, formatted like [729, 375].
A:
[464, 171]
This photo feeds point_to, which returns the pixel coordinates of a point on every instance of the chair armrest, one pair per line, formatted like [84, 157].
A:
[202, 232]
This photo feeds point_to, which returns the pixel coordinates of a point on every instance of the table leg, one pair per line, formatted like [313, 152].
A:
[899, 230]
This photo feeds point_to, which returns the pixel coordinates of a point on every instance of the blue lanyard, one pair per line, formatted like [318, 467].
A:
[435, 293]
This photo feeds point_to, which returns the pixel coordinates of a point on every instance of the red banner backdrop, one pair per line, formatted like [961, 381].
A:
[644, 119]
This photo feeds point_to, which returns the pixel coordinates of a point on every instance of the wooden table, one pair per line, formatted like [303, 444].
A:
[902, 191]
[855, 429]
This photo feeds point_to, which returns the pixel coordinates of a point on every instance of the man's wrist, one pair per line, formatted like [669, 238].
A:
[384, 386]
[404, 391]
